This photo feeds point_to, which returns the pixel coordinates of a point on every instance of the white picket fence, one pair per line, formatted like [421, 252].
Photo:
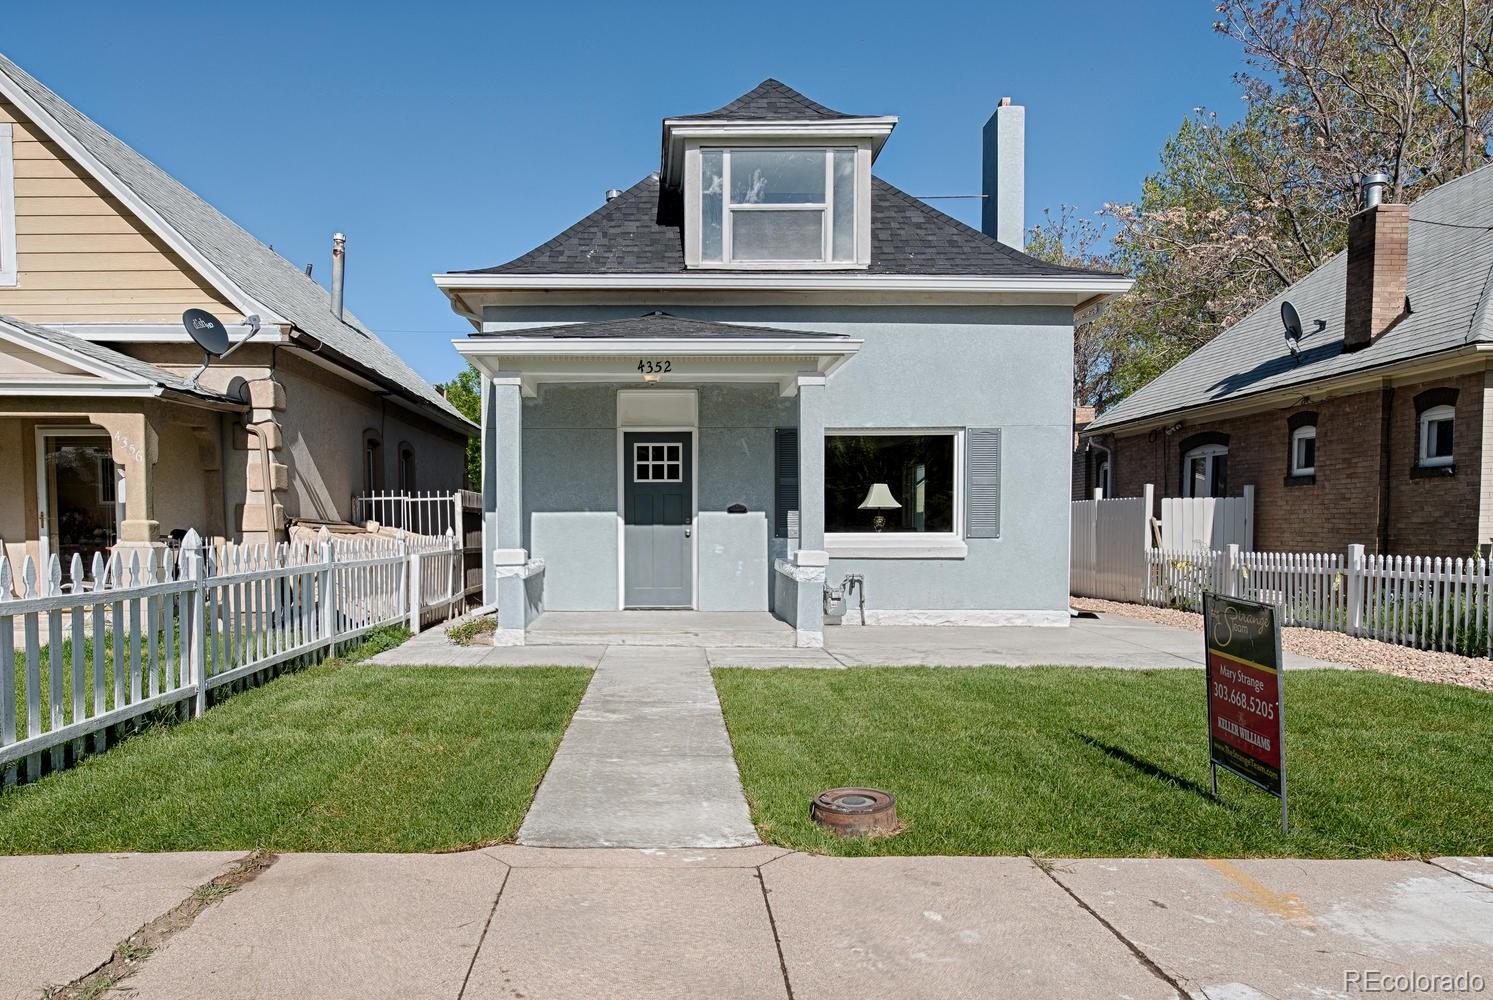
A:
[424, 513]
[96, 647]
[1421, 601]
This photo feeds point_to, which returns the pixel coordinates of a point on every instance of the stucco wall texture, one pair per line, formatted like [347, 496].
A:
[921, 368]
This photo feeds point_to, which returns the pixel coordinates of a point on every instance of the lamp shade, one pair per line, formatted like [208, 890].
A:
[879, 497]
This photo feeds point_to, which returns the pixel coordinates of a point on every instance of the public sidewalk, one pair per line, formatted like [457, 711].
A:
[755, 922]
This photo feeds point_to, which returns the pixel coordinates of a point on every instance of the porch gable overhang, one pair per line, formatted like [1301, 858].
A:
[657, 360]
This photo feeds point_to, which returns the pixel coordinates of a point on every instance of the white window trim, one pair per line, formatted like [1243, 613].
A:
[1203, 451]
[905, 544]
[1301, 434]
[642, 455]
[9, 271]
[1427, 417]
[693, 211]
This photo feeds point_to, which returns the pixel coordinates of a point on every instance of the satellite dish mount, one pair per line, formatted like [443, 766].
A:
[209, 333]
[1291, 320]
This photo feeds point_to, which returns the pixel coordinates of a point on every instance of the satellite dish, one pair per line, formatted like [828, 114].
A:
[212, 336]
[207, 330]
[1292, 321]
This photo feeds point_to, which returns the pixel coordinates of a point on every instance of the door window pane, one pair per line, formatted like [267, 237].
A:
[658, 463]
[889, 482]
[791, 235]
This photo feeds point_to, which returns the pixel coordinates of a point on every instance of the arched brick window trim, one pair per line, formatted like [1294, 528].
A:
[1202, 438]
[1440, 396]
[1306, 418]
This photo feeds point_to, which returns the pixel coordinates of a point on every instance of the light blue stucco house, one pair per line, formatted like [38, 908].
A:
[762, 369]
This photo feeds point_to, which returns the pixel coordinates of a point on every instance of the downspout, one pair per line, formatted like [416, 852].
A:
[266, 482]
[1386, 440]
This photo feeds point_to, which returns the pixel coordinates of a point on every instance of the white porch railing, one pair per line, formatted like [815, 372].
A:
[1420, 601]
[88, 650]
[427, 513]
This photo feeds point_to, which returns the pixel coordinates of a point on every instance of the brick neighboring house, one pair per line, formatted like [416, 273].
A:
[1374, 431]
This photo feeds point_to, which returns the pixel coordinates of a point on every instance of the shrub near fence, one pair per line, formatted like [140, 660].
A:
[132, 636]
[1420, 601]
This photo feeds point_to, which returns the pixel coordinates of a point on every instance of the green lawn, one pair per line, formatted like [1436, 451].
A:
[1063, 761]
[338, 757]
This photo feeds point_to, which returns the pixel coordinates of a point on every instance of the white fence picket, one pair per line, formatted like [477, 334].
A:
[134, 635]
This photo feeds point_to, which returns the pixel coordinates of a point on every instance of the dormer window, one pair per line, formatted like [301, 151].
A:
[790, 206]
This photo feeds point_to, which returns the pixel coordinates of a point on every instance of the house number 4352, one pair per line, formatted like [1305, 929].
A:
[651, 367]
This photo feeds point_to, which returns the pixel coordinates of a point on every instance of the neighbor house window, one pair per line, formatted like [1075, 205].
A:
[406, 472]
[373, 462]
[1205, 471]
[790, 206]
[896, 482]
[8, 270]
[1304, 451]
[1437, 426]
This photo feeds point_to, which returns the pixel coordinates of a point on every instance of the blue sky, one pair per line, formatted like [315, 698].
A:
[456, 135]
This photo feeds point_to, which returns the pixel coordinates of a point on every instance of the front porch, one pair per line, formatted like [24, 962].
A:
[655, 465]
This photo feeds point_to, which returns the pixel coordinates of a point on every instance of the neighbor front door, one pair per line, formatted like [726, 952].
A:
[658, 520]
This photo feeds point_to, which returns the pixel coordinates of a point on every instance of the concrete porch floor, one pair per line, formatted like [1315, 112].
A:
[759, 640]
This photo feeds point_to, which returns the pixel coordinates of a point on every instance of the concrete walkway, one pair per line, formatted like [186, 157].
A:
[645, 762]
[758, 923]
[582, 639]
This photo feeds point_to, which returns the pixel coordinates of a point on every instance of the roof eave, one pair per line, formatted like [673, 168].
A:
[1081, 287]
[677, 130]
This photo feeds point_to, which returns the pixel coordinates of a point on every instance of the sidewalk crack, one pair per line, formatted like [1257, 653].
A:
[1140, 956]
[135, 950]
[777, 942]
[481, 940]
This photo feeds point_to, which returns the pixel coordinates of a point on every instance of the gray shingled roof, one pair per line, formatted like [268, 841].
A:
[108, 356]
[632, 235]
[254, 267]
[1451, 301]
[661, 324]
[770, 100]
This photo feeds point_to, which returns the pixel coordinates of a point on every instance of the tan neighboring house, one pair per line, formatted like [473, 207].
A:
[105, 436]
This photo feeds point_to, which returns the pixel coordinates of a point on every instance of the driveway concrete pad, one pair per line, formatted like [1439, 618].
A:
[630, 935]
[935, 928]
[1244, 929]
[63, 914]
[400, 926]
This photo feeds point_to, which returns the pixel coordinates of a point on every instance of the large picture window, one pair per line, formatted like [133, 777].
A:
[889, 483]
[766, 205]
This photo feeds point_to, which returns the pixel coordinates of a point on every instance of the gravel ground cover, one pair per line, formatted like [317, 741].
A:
[1370, 654]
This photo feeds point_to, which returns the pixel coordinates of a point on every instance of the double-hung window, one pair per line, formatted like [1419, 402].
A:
[8, 269]
[1304, 451]
[1205, 471]
[767, 206]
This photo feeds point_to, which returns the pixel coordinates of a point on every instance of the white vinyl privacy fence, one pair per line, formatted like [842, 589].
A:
[108, 642]
[1420, 601]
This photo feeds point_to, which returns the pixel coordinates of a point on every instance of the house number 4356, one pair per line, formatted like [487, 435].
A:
[650, 367]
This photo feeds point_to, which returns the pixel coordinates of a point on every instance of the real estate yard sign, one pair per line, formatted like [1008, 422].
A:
[1246, 708]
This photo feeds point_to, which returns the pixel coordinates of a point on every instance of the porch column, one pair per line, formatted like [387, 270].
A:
[514, 583]
[136, 449]
[810, 561]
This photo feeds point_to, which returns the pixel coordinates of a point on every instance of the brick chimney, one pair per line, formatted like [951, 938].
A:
[1378, 258]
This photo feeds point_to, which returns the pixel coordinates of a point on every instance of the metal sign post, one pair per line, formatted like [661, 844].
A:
[1246, 694]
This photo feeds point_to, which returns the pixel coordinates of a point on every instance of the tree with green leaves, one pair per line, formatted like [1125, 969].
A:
[1333, 90]
[465, 393]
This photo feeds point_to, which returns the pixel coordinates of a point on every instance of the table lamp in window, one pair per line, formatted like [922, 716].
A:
[879, 497]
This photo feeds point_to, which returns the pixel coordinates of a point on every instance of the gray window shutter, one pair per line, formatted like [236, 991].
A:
[982, 476]
[785, 482]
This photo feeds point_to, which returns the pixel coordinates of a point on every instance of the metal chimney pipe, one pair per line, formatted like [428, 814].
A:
[612, 193]
[1374, 185]
[339, 267]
